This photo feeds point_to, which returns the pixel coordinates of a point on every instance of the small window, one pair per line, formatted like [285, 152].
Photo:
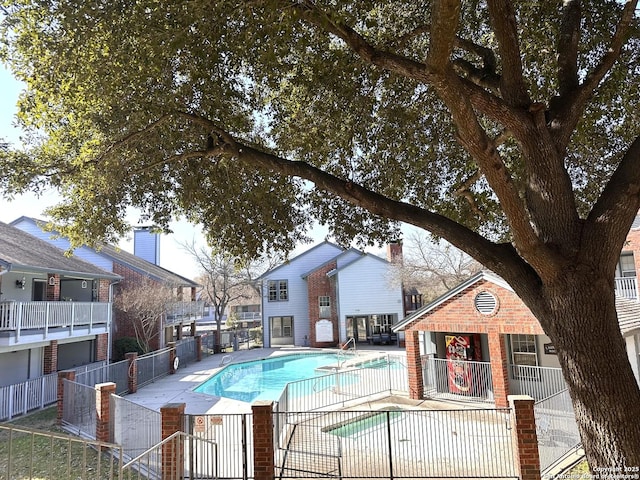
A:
[627, 266]
[524, 356]
[278, 290]
[486, 303]
[324, 303]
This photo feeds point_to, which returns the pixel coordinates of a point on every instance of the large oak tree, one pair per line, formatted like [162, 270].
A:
[508, 128]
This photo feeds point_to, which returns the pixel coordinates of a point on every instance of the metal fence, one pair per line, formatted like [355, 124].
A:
[135, 427]
[537, 382]
[27, 453]
[233, 435]
[556, 428]
[395, 444]
[30, 395]
[79, 409]
[450, 379]
[192, 457]
[186, 351]
[117, 373]
[153, 365]
[371, 377]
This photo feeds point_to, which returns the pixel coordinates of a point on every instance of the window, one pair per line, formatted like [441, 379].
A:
[381, 323]
[281, 326]
[324, 302]
[278, 290]
[524, 355]
[626, 266]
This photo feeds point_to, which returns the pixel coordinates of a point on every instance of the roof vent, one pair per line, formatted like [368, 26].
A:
[486, 303]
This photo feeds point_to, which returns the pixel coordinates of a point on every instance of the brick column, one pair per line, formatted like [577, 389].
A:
[263, 447]
[103, 395]
[198, 339]
[132, 378]
[172, 452]
[172, 356]
[525, 439]
[68, 375]
[51, 357]
[102, 347]
[414, 365]
[499, 369]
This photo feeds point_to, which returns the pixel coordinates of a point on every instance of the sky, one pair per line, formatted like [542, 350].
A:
[172, 255]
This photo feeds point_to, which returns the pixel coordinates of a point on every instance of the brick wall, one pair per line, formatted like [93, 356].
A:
[103, 290]
[53, 291]
[50, 357]
[319, 284]
[102, 346]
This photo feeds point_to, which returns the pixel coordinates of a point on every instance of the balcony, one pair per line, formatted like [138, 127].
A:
[180, 312]
[627, 287]
[24, 322]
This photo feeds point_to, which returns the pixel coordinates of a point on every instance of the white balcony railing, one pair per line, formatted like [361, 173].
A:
[18, 316]
[627, 287]
[178, 312]
[244, 316]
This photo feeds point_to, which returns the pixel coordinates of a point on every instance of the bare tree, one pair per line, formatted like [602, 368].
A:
[143, 305]
[226, 279]
[433, 266]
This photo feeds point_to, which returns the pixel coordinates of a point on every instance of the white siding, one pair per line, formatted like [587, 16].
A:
[367, 286]
[298, 304]
[85, 253]
[348, 257]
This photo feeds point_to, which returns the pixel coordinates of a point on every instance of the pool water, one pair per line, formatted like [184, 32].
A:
[265, 379]
[360, 425]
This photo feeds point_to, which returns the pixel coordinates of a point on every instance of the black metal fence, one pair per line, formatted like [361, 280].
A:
[395, 444]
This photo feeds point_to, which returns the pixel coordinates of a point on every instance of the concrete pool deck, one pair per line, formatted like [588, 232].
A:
[178, 388]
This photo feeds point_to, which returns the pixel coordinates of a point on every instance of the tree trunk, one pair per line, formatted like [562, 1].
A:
[582, 323]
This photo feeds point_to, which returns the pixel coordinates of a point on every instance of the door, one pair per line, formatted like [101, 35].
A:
[357, 328]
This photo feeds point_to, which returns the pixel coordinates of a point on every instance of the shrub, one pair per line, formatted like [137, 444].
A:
[125, 345]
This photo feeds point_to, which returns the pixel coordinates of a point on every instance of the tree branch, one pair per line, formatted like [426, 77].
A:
[512, 84]
[612, 215]
[568, 46]
[567, 110]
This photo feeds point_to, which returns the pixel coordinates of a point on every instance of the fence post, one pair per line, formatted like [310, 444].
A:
[62, 376]
[525, 439]
[172, 357]
[132, 378]
[263, 448]
[198, 348]
[103, 396]
[172, 452]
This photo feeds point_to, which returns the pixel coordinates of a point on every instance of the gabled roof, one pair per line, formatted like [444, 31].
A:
[355, 260]
[298, 257]
[335, 259]
[131, 261]
[481, 275]
[628, 310]
[21, 251]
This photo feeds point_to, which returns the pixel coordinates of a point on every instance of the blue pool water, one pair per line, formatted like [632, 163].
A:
[265, 379]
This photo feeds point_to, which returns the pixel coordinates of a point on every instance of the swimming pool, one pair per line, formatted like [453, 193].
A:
[265, 379]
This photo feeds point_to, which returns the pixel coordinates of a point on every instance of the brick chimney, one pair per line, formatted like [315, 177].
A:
[394, 251]
[146, 244]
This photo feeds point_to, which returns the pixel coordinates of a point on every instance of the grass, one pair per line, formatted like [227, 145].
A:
[35, 456]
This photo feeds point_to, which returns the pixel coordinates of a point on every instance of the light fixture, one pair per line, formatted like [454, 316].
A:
[52, 281]
[20, 283]
[84, 284]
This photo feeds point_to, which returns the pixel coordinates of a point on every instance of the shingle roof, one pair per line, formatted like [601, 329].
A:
[144, 267]
[628, 315]
[20, 251]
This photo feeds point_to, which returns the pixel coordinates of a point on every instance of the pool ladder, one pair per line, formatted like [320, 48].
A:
[226, 359]
[346, 348]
